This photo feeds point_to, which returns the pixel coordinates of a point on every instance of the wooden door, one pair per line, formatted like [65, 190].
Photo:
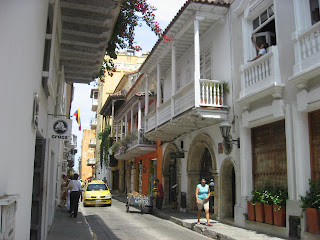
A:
[269, 155]
[37, 190]
[314, 130]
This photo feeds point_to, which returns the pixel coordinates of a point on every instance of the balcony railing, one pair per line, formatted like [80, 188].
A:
[211, 95]
[94, 104]
[93, 123]
[133, 145]
[91, 162]
[261, 73]
[307, 53]
[92, 143]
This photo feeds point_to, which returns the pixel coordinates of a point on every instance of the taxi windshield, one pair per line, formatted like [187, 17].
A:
[97, 187]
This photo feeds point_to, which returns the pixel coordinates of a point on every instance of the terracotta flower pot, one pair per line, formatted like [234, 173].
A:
[313, 220]
[268, 213]
[251, 213]
[279, 215]
[259, 212]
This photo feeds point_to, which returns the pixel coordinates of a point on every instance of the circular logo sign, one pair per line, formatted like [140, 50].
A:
[60, 127]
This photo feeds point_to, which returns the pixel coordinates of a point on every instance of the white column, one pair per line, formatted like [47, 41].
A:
[146, 103]
[245, 163]
[131, 122]
[173, 76]
[126, 124]
[139, 116]
[158, 85]
[290, 155]
[196, 62]
[116, 123]
[121, 129]
[302, 150]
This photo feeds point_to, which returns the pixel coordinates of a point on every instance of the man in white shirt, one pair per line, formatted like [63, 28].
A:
[75, 193]
[261, 50]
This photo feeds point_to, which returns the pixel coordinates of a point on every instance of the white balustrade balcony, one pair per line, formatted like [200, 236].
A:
[94, 105]
[179, 113]
[261, 78]
[134, 145]
[93, 123]
[91, 162]
[92, 143]
[307, 56]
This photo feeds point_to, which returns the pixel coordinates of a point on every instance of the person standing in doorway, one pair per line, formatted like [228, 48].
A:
[261, 50]
[75, 193]
[202, 197]
[160, 194]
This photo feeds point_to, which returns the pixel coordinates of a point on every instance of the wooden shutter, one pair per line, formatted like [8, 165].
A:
[314, 129]
[269, 154]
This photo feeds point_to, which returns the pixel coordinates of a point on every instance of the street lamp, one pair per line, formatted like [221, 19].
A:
[225, 128]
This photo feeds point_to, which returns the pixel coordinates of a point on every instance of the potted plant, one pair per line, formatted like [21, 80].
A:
[266, 199]
[258, 205]
[279, 198]
[311, 203]
[251, 213]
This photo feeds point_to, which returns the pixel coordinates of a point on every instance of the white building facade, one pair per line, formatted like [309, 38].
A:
[40, 41]
[272, 104]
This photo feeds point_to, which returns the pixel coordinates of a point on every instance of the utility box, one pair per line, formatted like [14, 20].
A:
[8, 207]
[183, 203]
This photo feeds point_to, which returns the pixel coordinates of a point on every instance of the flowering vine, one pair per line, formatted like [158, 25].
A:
[131, 15]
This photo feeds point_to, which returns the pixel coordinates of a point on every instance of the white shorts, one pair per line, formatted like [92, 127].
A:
[203, 204]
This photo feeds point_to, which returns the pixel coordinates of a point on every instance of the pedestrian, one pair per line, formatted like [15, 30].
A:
[202, 197]
[105, 181]
[75, 193]
[261, 50]
[160, 194]
[64, 191]
[211, 198]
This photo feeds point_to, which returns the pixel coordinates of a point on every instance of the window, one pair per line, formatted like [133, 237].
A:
[269, 154]
[178, 83]
[264, 29]
[97, 187]
[205, 64]
[314, 11]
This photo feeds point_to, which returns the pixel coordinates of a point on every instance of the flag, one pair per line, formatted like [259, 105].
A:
[77, 114]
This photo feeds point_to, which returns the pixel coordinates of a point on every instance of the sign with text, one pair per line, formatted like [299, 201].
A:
[59, 128]
[177, 155]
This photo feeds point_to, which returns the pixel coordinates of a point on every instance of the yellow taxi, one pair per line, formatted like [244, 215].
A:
[96, 193]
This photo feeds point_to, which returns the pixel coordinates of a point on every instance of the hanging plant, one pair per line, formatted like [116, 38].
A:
[132, 14]
[104, 145]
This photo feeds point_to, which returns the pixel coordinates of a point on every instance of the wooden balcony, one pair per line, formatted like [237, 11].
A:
[261, 79]
[134, 145]
[91, 162]
[92, 143]
[93, 123]
[179, 115]
[307, 56]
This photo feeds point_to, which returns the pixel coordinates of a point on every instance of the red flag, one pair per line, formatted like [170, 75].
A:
[77, 114]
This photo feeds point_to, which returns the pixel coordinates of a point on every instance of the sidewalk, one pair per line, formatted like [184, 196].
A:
[65, 227]
[217, 231]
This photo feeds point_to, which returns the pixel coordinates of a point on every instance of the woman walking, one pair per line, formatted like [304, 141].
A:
[75, 193]
[202, 196]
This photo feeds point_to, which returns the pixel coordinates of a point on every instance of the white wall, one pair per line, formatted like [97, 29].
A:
[23, 26]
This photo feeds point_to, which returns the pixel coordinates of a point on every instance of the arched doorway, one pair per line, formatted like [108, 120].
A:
[206, 165]
[201, 163]
[228, 192]
[171, 175]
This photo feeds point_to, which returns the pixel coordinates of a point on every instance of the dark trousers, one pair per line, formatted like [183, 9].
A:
[159, 201]
[74, 202]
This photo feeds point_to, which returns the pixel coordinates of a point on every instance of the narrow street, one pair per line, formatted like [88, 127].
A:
[115, 223]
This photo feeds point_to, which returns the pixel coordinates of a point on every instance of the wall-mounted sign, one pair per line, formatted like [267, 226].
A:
[220, 148]
[177, 155]
[59, 128]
